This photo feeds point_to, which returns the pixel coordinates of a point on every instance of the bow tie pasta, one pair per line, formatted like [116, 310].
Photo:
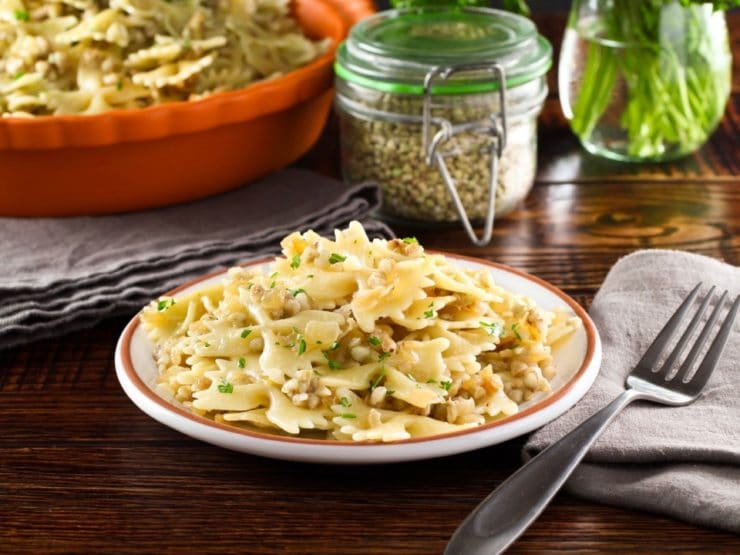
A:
[88, 56]
[353, 339]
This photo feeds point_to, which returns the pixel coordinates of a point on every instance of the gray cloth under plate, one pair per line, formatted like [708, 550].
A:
[63, 274]
[679, 461]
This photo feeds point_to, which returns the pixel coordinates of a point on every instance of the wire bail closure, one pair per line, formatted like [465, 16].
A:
[493, 126]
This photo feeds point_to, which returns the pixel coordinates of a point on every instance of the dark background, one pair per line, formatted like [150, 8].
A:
[537, 6]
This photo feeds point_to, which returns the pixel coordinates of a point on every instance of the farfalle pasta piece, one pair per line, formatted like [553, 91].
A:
[356, 378]
[173, 74]
[255, 417]
[424, 360]
[93, 28]
[154, 56]
[241, 399]
[395, 290]
[359, 422]
[24, 102]
[61, 102]
[406, 388]
[52, 27]
[292, 419]
[166, 316]
[98, 103]
[234, 398]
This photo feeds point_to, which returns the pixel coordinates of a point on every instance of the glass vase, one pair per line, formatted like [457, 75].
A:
[644, 80]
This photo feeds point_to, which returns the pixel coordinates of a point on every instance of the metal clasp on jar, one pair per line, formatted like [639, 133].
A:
[495, 126]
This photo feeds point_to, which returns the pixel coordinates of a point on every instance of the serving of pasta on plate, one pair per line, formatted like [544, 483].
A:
[356, 340]
[90, 56]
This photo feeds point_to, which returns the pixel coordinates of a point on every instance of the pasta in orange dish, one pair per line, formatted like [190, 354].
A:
[89, 56]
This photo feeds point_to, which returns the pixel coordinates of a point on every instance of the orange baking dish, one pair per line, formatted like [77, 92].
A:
[131, 159]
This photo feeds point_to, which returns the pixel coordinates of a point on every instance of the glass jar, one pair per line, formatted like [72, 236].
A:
[439, 106]
[644, 80]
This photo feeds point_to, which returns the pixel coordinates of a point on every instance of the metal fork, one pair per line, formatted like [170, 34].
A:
[507, 512]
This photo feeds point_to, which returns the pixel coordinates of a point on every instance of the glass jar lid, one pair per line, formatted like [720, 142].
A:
[392, 51]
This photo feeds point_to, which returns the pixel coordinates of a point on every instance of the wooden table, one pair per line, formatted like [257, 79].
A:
[83, 470]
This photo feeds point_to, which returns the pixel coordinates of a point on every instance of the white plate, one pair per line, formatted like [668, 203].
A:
[578, 359]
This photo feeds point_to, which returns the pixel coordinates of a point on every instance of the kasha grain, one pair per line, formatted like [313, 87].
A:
[391, 153]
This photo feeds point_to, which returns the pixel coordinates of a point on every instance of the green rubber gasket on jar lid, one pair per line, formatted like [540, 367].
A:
[418, 90]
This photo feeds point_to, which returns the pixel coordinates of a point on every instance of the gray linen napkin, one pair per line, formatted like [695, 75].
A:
[62, 274]
[679, 461]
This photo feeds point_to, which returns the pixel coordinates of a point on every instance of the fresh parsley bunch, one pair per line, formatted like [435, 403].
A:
[676, 85]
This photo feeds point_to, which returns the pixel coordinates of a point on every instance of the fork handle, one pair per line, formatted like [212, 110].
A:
[507, 512]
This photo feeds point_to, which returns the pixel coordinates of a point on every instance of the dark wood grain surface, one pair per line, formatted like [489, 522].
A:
[82, 470]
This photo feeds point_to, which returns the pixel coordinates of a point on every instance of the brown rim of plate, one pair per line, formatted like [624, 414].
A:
[135, 379]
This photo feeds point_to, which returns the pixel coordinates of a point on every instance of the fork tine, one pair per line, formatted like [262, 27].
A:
[651, 356]
[707, 366]
[684, 341]
[699, 343]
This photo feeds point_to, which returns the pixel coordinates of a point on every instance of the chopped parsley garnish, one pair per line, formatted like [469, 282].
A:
[206, 344]
[383, 356]
[19, 75]
[186, 44]
[296, 292]
[334, 346]
[225, 387]
[309, 276]
[410, 240]
[295, 262]
[241, 362]
[334, 258]
[301, 346]
[389, 392]
[22, 15]
[272, 285]
[345, 402]
[317, 372]
[119, 85]
[446, 385]
[333, 364]
[348, 415]
[374, 340]
[245, 333]
[430, 380]
[273, 275]
[376, 380]
[430, 313]
[164, 304]
[493, 328]
[515, 332]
